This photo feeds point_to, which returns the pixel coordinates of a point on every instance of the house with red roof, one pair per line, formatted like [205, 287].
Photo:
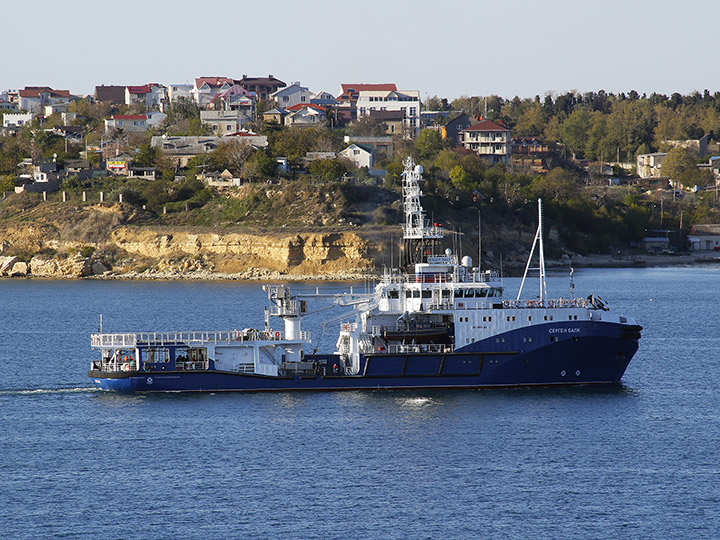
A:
[488, 140]
[206, 89]
[304, 114]
[151, 95]
[34, 98]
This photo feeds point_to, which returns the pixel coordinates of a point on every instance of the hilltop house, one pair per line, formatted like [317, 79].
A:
[182, 149]
[295, 94]
[110, 94]
[34, 98]
[152, 95]
[451, 130]
[407, 101]
[360, 155]
[206, 89]
[305, 114]
[263, 87]
[488, 140]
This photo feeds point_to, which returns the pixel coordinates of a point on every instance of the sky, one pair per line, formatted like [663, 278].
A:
[448, 48]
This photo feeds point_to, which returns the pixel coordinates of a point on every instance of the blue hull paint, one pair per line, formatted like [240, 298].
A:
[592, 353]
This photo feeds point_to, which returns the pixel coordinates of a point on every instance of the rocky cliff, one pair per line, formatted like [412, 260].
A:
[97, 241]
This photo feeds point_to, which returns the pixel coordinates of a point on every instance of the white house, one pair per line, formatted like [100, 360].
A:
[152, 95]
[407, 101]
[225, 122]
[292, 95]
[12, 120]
[361, 156]
[127, 122]
[34, 98]
[488, 140]
[304, 114]
[206, 89]
[155, 118]
[177, 91]
[650, 165]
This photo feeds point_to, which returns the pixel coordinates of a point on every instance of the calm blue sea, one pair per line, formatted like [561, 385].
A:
[636, 461]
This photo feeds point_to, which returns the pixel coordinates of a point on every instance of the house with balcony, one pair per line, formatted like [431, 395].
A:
[151, 95]
[349, 93]
[650, 165]
[263, 87]
[488, 140]
[405, 101]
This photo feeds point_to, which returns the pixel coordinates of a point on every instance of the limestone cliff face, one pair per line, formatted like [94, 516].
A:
[46, 252]
[305, 253]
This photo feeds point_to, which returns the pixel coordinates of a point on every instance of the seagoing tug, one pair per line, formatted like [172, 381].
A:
[437, 322]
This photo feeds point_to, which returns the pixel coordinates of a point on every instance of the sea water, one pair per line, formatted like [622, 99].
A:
[638, 460]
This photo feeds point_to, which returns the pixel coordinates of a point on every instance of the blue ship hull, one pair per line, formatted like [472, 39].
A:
[598, 354]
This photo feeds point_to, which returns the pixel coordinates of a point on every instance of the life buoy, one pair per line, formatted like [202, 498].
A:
[277, 335]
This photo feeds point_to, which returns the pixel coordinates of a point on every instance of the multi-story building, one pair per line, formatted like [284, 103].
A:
[151, 95]
[263, 87]
[649, 165]
[488, 140]
[34, 98]
[407, 101]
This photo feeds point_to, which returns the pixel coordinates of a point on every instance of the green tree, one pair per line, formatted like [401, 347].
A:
[575, 131]
[460, 178]
[531, 122]
[428, 144]
[328, 169]
[679, 165]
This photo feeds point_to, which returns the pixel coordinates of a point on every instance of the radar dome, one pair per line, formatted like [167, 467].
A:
[466, 261]
[419, 169]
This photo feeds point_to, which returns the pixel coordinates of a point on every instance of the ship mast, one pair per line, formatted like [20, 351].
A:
[538, 241]
[420, 238]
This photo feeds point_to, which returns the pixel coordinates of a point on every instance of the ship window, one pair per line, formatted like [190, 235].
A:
[416, 294]
[469, 293]
[553, 339]
[427, 294]
[157, 355]
[458, 293]
[545, 318]
[446, 293]
[529, 317]
[489, 319]
[551, 317]
[393, 294]
[408, 294]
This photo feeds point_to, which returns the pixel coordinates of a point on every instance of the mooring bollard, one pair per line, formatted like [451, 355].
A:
[84, 196]
[64, 196]
[121, 198]
[102, 197]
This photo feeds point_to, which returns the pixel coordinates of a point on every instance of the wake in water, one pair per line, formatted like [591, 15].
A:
[32, 391]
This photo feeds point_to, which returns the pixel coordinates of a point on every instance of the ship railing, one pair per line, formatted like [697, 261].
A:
[547, 303]
[420, 348]
[131, 340]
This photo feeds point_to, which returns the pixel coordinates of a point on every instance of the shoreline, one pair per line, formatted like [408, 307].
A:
[259, 274]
